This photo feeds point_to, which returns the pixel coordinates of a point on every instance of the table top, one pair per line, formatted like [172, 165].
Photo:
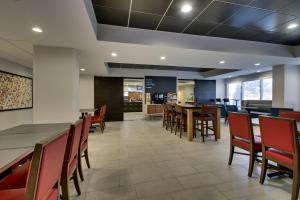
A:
[83, 110]
[20, 139]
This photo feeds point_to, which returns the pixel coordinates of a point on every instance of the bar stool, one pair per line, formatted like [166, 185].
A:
[180, 119]
[226, 101]
[165, 115]
[170, 117]
[218, 101]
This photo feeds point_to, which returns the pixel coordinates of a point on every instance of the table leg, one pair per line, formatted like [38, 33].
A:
[218, 123]
[190, 124]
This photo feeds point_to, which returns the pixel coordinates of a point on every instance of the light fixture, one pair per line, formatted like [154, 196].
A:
[82, 69]
[37, 29]
[257, 64]
[258, 71]
[222, 62]
[163, 57]
[229, 76]
[186, 8]
[292, 26]
[113, 54]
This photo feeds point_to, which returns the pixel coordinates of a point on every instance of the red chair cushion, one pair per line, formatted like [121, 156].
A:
[14, 194]
[17, 179]
[280, 156]
[245, 144]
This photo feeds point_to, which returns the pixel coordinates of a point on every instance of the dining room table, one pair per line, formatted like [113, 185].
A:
[19, 141]
[190, 109]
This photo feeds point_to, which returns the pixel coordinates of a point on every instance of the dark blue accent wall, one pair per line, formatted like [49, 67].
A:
[205, 90]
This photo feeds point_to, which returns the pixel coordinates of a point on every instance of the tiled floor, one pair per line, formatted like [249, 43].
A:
[138, 159]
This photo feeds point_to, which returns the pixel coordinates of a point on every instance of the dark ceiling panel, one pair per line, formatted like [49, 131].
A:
[268, 36]
[198, 6]
[292, 9]
[199, 28]
[172, 24]
[246, 34]
[273, 20]
[110, 16]
[242, 2]
[150, 6]
[247, 17]
[144, 21]
[283, 28]
[224, 31]
[218, 12]
[270, 4]
[118, 4]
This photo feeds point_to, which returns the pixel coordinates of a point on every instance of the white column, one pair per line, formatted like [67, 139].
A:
[55, 84]
[286, 84]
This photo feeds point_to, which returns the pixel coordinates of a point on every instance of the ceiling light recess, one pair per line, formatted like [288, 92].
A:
[37, 29]
[257, 64]
[114, 54]
[82, 69]
[222, 62]
[163, 57]
[292, 26]
[186, 8]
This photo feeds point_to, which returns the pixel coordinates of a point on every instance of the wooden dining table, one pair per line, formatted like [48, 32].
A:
[20, 140]
[190, 109]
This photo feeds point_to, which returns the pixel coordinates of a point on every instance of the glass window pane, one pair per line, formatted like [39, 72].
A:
[234, 92]
[251, 90]
[267, 87]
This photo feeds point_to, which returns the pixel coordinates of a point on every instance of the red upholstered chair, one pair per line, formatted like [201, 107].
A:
[280, 145]
[241, 135]
[69, 169]
[83, 147]
[44, 172]
[291, 115]
[100, 119]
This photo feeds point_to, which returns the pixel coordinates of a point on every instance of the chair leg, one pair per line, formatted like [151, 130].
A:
[251, 163]
[79, 164]
[87, 160]
[263, 170]
[202, 130]
[296, 184]
[76, 182]
[64, 187]
[231, 154]
[206, 125]
[176, 125]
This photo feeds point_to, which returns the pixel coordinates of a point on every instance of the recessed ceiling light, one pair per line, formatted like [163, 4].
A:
[82, 69]
[229, 76]
[163, 57]
[37, 29]
[258, 71]
[257, 64]
[222, 62]
[292, 26]
[113, 54]
[186, 8]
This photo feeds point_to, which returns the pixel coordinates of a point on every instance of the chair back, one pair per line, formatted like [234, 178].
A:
[46, 168]
[240, 125]
[223, 111]
[178, 109]
[232, 108]
[276, 111]
[73, 145]
[85, 128]
[209, 110]
[278, 133]
[290, 115]
[170, 107]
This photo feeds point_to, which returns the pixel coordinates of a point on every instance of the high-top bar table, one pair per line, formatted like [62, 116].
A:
[20, 140]
[190, 109]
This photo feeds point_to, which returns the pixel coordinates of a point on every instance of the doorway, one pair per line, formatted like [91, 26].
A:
[186, 91]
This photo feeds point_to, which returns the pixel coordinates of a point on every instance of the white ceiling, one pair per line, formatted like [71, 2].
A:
[68, 23]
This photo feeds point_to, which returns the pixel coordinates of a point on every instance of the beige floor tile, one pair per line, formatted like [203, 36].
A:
[208, 193]
[197, 180]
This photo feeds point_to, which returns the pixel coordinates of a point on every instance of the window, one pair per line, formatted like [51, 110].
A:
[267, 87]
[234, 90]
[251, 90]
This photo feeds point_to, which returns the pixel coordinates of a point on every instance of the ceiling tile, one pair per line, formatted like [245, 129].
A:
[247, 17]
[273, 20]
[283, 27]
[150, 6]
[242, 2]
[292, 8]
[218, 12]
[110, 16]
[198, 6]
[246, 34]
[270, 4]
[145, 21]
[224, 31]
[118, 4]
[172, 24]
[200, 28]
[268, 36]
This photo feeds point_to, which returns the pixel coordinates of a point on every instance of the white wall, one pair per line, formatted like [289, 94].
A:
[86, 88]
[292, 85]
[56, 85]
[9, 119]
[220, 89]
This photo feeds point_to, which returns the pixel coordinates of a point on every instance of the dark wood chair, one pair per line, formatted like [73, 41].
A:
[241, 136]
[43, 173]
[165, 115]
[70, 167]
[180, 119]
[83, 147]
[280, 145]
[171, 117]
